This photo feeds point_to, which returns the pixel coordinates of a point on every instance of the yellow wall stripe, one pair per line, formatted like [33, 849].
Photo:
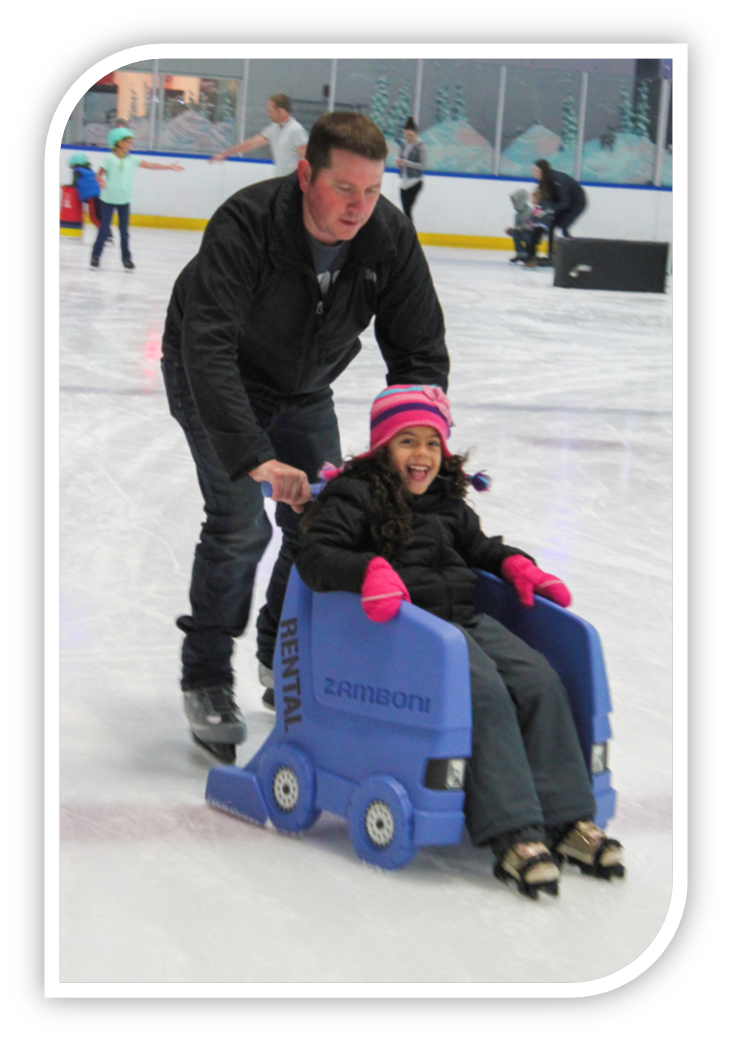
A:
[465, 242]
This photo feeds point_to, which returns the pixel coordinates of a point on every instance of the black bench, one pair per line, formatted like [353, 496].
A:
[618, 264]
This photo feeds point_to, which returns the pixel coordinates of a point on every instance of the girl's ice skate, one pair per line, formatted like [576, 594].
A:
[532, 867]
[587, 846]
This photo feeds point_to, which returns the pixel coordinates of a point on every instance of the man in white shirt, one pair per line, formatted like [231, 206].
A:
[286, 137]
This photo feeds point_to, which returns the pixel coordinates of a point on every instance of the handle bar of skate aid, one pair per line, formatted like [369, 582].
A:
[266, 488]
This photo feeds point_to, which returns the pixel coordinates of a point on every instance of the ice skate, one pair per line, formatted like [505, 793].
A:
[532, 867]
[587, 846]
[266, 678]
[216, 722]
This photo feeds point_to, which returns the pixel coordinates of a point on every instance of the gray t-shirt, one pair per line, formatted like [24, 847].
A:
[327, 261]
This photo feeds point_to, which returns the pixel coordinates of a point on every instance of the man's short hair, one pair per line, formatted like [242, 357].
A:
[281, 101]
[350, 131]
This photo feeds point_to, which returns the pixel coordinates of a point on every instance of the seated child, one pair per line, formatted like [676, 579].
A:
[393, 525]
[521, 232]
[538, 225]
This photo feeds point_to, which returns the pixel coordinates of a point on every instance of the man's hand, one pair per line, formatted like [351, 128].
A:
[289, 485]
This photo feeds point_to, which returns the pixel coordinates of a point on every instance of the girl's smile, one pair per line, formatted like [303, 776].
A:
[416, 452]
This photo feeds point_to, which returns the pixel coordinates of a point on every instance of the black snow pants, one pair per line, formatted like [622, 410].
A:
[526, 773]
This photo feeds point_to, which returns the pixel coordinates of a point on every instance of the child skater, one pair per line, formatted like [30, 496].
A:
[86, 184]
[116, 177]
[521, 230]
[393, 525]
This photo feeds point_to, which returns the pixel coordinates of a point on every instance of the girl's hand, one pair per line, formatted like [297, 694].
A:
[526, 578]
[176, 166]
[383, 591]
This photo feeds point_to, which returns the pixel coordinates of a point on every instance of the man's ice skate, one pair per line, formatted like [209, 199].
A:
[587, 846]
[532, 867]
[216, 722]
[266, 678]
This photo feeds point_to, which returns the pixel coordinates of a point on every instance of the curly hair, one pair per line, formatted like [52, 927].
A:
[391, 518]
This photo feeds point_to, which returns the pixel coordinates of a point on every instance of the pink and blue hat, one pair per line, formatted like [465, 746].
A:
[409, 405]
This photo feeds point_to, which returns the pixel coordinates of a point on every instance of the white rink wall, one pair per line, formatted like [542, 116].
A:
[448, 205]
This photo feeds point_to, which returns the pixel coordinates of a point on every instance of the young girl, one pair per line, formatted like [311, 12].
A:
[116, 177]
[86, 184]
[393, 525]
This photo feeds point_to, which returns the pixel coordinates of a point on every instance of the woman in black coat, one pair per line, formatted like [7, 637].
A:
[565, 195]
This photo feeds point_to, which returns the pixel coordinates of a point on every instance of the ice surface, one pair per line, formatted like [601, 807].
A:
[564, 397]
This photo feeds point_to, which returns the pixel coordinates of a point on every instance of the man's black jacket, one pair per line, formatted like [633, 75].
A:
[247, 320]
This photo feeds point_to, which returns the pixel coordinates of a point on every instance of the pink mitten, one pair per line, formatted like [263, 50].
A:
[526, 577]
[382, 591]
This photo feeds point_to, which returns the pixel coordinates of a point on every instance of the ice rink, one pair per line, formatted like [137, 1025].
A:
[564, 397]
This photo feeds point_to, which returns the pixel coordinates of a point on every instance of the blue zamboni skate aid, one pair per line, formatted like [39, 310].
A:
[374, 719]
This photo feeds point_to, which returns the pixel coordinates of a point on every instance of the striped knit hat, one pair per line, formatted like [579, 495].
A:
[413, 405]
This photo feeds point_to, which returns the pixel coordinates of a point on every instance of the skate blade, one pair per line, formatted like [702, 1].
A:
[222, 752]
[531, 890]
[599, 871]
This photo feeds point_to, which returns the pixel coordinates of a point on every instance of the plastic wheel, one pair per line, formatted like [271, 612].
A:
[287, 779]
[380, 822]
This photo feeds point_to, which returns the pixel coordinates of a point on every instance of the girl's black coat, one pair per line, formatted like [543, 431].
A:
[435, 565]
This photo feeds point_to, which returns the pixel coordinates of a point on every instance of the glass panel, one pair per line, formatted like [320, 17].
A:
[74, 129]
[458, 114]
[667, 170]
[120, 99]
[541, 115]
[134, 104]
[304, 80]
[622, 118]
[197, 113]
[381, 88]
[217, 68]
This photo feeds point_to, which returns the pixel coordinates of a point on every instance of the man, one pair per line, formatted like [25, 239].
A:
[286, 137]
[260, 323]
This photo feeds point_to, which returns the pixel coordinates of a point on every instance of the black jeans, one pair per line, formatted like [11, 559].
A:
[409, 198]
[525, 241]
[526, 767]
[123, 215]
[564, 219]
[236, 531]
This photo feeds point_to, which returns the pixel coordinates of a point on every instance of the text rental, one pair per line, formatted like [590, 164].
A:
[290, 656]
